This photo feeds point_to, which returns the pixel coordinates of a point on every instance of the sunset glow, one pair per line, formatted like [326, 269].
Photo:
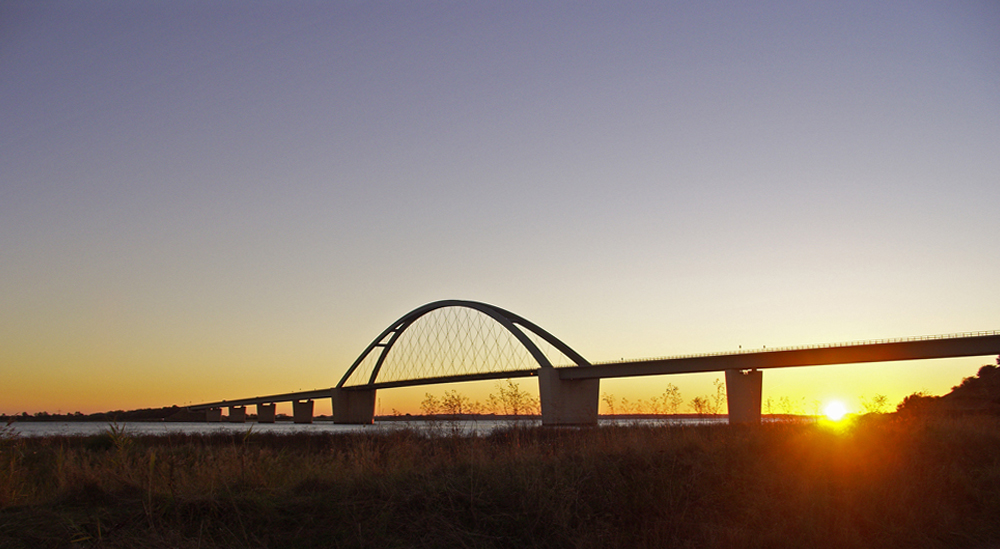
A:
[203, 201]
[835, 410]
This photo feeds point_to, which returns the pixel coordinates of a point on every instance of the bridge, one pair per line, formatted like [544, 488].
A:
[455, 341]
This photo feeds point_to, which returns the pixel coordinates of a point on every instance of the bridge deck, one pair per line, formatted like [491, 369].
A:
[284, 397]
[949, 346]
[326, 393]
[962, 345]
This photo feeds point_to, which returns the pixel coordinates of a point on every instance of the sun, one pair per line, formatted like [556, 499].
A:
[835, 410]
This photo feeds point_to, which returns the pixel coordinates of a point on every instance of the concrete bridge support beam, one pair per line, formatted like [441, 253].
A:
[265, 413]
[743, 390]
[237, 414]
[213, 415]
[567, 402]
[353, 407]
[302, 411]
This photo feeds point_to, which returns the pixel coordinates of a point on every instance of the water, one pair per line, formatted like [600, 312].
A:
[87, 428]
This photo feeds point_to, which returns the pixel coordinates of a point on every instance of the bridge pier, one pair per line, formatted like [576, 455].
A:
[743, 391]
[213, 415]
[565, 401]
[265, 413]
[237, 414]
[302, 411]
[353, 407]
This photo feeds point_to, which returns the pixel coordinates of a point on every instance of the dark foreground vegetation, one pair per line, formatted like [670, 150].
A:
[884, 481]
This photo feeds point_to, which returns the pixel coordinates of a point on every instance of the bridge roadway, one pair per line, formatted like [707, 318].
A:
[918, 348]
[574, 390]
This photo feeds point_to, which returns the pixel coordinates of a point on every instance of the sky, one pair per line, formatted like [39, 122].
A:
[205, 201]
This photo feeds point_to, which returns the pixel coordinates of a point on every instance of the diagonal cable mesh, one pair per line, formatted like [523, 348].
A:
[556, 357]
[364, 370]
[452, 341]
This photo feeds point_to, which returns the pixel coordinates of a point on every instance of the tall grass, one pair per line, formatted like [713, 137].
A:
[881, 483]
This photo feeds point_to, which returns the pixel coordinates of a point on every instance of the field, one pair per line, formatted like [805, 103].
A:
[879, 481]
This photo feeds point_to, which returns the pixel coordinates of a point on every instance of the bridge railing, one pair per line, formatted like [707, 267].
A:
[804, 347]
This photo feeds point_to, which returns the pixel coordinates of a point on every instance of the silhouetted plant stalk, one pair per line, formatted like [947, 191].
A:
[609, 403]
[719, 398]
[669, 402]
[877, 404]
[509, 399]
[512, 400]
[700, 405]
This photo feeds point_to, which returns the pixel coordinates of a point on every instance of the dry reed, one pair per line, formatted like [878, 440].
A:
[882, 482]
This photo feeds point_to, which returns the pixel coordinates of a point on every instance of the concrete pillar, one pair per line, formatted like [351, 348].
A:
[354, 407]
[567, 402]
[213, 415]
[237, 414]
[302, 411]
[743, 390]
[265, 413]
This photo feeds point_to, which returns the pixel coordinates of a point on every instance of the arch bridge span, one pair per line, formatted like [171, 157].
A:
[455, 341]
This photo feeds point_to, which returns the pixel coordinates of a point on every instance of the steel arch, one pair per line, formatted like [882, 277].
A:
[503, 317]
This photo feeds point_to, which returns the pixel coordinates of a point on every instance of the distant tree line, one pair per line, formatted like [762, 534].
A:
[978, 394]
[144, 414]
[509, 399]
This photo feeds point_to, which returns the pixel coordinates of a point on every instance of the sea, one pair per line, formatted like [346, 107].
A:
[432, 427]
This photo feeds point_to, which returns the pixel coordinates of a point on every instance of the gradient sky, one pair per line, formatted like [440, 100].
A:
[202, 201]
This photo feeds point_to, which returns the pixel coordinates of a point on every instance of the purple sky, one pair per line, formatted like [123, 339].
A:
[210, 200]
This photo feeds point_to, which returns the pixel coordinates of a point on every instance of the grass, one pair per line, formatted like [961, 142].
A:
[883, 482]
